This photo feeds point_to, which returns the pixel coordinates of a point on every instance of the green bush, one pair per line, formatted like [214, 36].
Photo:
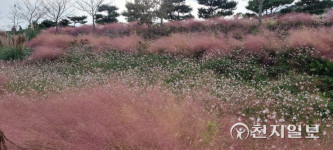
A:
[12, 53]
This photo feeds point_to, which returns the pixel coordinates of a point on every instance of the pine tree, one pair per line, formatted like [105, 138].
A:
[269, 5]
[179, 10]
[214, 8]
[64, 23]
[110, 17]
[313, 6]
[78, 19]
[142, 11]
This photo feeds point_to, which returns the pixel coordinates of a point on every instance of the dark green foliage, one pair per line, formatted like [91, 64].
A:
[64, 23]
[269, 7]
[111, 16]
[46, 24]
[12, 53]
[78, 19]
[31, 33]
[215, 8]
[313, 6]
[179, 10]
[141, 11]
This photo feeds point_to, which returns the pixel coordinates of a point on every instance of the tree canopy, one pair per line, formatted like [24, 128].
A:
[111, 16]
[313, 6]
[78, 19]
[269, 6]
[142, 11]
[214, 8]
[179, 10]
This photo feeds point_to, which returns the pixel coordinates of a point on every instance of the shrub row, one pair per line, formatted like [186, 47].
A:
[194, 44]
[242, 26]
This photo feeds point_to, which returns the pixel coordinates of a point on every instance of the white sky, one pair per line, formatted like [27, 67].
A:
[5, 6]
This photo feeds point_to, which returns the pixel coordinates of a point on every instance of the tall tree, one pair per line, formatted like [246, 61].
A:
[58, 10]
[261, 5]
[91, 7]
[111, 16]
[142, 11]
[214, 8]
[163, 7]
[78, 19]
[269, 6]
[179, 10]
[31, 10]
[313, 6]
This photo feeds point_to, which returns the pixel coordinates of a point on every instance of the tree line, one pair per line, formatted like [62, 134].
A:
[60, 12]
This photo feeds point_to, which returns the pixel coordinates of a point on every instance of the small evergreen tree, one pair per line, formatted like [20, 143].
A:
[313, 6]
[78, 19]
[111, 16]
[46, 24]
[269, 5]
[142, 11]
[179, 10]
[64, 23]
[214, 8]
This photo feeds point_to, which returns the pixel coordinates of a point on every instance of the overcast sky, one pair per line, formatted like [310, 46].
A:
[5, 6]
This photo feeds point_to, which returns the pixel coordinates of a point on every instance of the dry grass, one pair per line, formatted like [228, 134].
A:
[17, 41]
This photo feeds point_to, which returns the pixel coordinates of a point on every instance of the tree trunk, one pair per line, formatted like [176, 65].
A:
[94, 26]
[31, 25]
[57, 27]
[261, 3]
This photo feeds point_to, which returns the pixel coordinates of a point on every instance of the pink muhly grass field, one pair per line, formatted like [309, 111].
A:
[265, 41]
[329, 17]
[190, 44]
[51, 40]
[3, 80]
[49, 46]
[319, 39]
[103, 43]
[293, 19]
[103, 118]
[46, 53]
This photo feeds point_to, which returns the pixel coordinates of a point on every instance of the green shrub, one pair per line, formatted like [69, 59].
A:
[12, 53]
[31, 33]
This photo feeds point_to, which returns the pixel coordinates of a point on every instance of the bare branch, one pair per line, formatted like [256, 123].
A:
[90, 7]
[30, 10]
[57, 10]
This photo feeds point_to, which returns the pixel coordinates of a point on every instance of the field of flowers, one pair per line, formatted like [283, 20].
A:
[127, 86]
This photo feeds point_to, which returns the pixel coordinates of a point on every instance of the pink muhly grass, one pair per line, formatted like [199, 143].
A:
[116, 117]
[49, 46]
[329, 17]
[295, 19]
[265, 41]
[98, 43]
[3, 80]
[73, 31]
[51, 40]
[46, 53]
[126, 43]
[319, 39]
[103, 43]
[190, 44]
[114, 28]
